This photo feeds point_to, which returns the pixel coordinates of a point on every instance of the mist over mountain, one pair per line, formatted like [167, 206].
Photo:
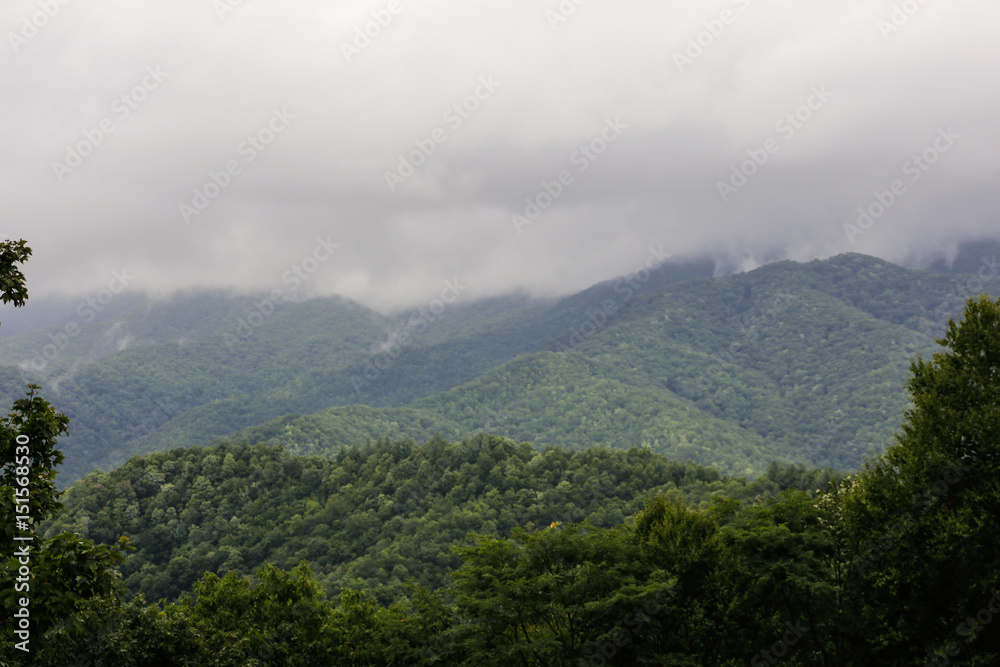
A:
[789, 362]
[45, 311]
[536, 333]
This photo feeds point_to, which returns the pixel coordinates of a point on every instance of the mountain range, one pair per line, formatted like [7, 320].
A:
[791, 362]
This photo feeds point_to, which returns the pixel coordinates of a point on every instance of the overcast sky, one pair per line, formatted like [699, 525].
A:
[311, 117]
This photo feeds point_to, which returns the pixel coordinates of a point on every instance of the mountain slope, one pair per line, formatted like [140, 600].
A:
[790, 362]
[370, 517]
[118, 401]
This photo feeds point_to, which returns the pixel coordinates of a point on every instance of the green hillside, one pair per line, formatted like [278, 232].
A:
[791, 362]
[489, 552]
[326, 432]
[565, 401]
[118, 401]
[369, 517]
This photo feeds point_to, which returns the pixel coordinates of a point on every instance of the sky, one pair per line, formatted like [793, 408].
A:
[384, 150]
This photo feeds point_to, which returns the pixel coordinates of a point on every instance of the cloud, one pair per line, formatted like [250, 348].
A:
[366, 85]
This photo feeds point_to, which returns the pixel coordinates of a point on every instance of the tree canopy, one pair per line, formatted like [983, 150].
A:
[490, 552]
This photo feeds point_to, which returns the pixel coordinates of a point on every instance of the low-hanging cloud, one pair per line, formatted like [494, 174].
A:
[144, 137]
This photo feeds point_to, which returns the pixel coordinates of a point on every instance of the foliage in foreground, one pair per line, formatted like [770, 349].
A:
[373, 517]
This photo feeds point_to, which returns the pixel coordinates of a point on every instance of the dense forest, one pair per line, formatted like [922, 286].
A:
[373, 517]
[895, 565]
[796, 363]
[487, 551]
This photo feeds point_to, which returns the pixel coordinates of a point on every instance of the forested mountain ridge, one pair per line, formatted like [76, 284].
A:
[370, 517]
[101, 326]
[641, 556]
[778, 366]
[790, 362]
[894, 565]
